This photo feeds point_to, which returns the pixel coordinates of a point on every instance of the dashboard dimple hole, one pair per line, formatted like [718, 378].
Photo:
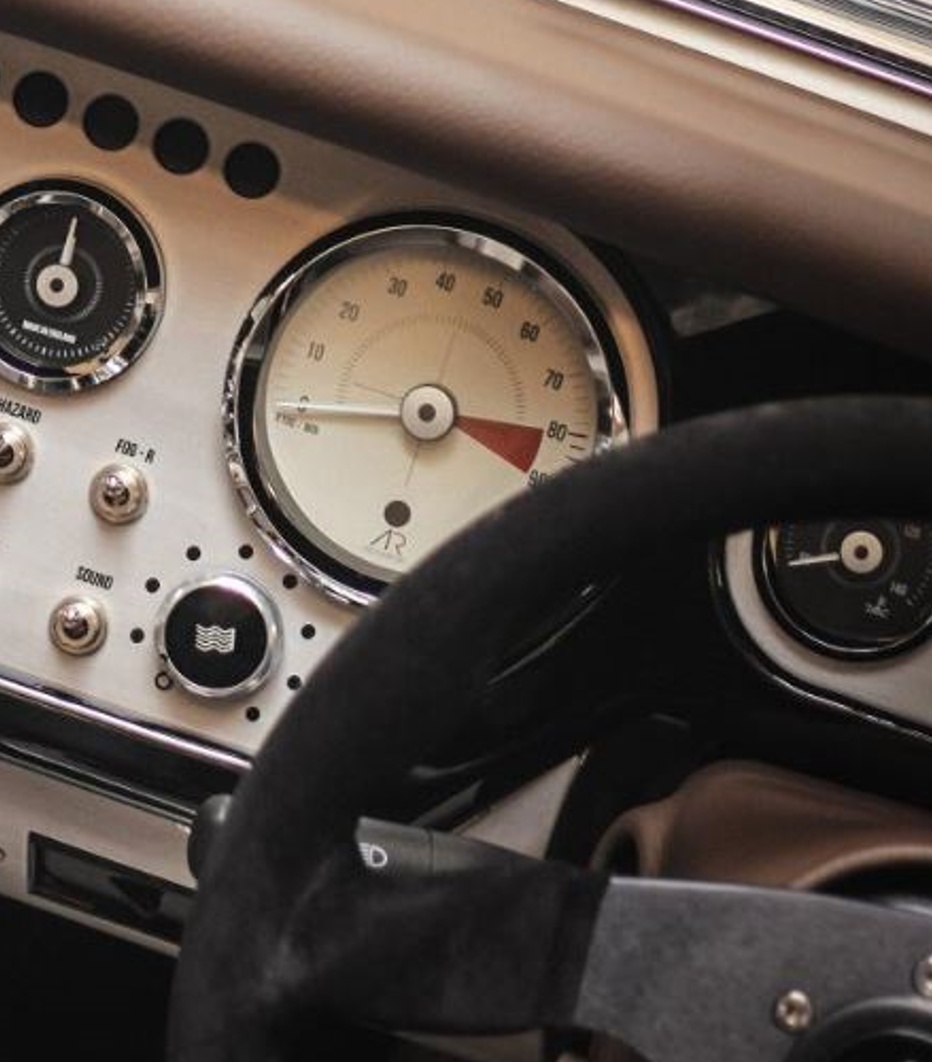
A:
[181, 146]
[246, 551]
[289, 582]
[40, 99]
[137, 635]
[193, 553]
[111, 122]
[153, 585]
[294, 682]
[253, 714]
[308, 631]
[252, 170]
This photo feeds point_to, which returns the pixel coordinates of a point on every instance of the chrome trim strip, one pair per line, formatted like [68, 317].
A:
[50, 763]
[877, 69]
[169, 740]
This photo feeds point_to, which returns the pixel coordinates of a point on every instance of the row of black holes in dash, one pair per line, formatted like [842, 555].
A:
[180, 145]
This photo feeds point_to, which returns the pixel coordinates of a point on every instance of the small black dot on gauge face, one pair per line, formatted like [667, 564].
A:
[181, 146]
[289, 582]
[193, 553]
[308, 631]
[111, 123]
[40, 99]
[137, 635]
[397, 513]
[252, 170]
[253, 715]
[246, 552]
[294, 682]
[153, 586]
[426, 413]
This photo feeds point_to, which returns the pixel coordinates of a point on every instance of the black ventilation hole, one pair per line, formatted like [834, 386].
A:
[40, 99]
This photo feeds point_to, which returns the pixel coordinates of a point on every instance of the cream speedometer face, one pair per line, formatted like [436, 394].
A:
[403, 383]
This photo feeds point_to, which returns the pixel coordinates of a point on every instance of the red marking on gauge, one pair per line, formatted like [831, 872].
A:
[517, 444]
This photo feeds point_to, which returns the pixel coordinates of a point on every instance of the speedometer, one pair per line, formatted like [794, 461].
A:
[393, 386]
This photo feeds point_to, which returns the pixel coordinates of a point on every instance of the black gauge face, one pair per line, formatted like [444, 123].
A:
[80, 287]
[851, 587]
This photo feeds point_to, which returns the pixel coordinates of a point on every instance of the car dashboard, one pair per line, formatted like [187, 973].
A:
[160, 485]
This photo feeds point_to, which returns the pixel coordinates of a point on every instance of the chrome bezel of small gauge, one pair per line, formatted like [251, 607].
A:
[148, 273]
[764, 577]
[237, 583]
[555, 281]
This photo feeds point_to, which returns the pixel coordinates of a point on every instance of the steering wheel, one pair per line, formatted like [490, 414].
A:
[288, 925]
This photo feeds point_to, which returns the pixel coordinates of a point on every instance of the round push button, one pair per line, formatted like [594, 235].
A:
[219, 637]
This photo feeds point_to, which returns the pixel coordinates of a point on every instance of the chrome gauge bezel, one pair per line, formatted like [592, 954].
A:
[148, 273]
[255, 487]
[764, 576]
[235, 583]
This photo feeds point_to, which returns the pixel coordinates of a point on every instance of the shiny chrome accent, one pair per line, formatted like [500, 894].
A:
[66, 704]
[16, 453]
[265, 317]
[234, 583]
[119, 494]
[793, 39]
[794, 1012]
[127, 347]
[78, 626]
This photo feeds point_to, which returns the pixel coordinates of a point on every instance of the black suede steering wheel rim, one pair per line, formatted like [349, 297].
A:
[405, 677]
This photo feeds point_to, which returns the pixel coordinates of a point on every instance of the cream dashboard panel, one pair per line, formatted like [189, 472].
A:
[163, 416]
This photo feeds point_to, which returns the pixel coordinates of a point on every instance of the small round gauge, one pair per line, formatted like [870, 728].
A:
[398, 383]
[851, 587]
[80, 286]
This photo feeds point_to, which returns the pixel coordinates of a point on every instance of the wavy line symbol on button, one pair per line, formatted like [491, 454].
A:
[214, 639]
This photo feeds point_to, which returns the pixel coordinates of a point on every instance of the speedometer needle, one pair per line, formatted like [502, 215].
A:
[817, 558]
[340, 409]
[518, 444]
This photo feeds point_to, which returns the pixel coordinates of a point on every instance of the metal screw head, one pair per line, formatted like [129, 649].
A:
[922, 977]
[793, 1012]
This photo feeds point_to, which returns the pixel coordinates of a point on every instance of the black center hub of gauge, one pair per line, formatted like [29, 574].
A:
[218, 637]
[850, 587]
[80, 286]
